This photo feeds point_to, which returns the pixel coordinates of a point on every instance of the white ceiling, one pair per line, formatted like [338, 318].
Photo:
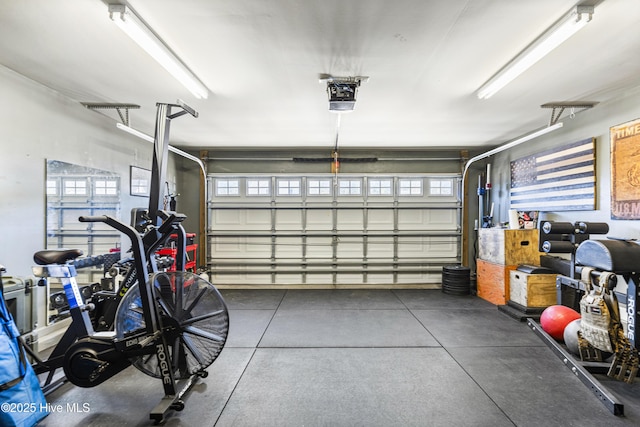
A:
[261, 60]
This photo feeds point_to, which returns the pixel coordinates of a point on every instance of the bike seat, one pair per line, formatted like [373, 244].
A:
[55, 256]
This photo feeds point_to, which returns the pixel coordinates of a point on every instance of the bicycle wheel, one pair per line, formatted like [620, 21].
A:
[194, 318]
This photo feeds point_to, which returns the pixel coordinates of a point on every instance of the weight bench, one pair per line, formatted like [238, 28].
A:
[612, 255]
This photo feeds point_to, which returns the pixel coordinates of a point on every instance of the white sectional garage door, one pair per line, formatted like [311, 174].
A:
[327, 230]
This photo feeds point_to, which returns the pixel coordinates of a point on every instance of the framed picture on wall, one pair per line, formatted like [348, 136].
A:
[625, 170]
[559, 179]
[140, 182]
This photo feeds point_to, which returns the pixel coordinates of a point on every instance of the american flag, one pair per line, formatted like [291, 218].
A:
[561, 179]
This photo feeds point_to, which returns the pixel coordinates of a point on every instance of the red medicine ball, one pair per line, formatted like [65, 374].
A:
[555, 318]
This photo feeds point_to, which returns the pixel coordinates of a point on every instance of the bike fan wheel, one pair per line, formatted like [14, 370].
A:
[194, 319]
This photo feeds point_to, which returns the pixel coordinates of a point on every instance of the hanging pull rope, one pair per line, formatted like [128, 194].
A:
[336, 163]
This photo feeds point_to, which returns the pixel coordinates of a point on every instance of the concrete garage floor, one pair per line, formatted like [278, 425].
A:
[364, 358]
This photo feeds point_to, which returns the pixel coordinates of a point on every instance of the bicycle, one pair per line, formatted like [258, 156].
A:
[172, 326]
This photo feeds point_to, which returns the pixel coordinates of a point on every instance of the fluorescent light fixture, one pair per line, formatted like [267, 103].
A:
[565, 27]
[127, 20]
[149, 138]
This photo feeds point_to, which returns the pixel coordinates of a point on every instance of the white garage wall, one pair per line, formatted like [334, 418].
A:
[590, 123]
[36, 124]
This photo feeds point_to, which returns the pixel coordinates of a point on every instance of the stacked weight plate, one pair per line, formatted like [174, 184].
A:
[456, 280]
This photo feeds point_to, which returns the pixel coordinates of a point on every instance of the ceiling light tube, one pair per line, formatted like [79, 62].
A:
[149, 138]
[568, 25]
[126, 19]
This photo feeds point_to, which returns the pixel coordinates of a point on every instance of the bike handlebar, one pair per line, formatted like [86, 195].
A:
[101, 218]
[113, 223]
[169, 221]
[132, 233]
